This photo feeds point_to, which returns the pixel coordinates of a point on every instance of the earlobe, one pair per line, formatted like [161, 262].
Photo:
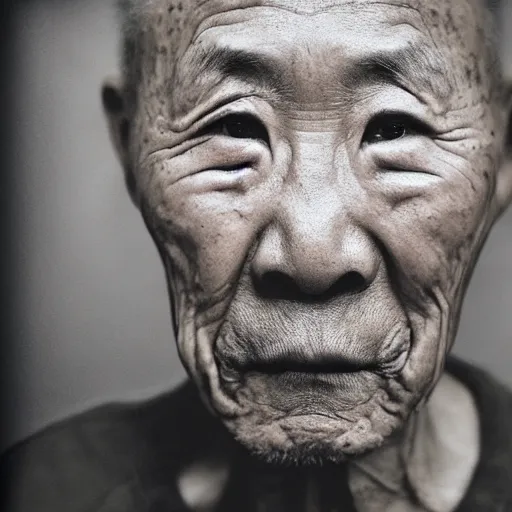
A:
[115, 107]
[504, 180]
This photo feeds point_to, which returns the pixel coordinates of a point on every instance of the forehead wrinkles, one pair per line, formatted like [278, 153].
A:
[214, 14]
[336, 25]
[447, 24]
[193, 16]
[210, 11]
[185, 20]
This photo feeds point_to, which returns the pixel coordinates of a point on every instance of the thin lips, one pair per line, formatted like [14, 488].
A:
[393, 353]
[293, 366]
[335, 364]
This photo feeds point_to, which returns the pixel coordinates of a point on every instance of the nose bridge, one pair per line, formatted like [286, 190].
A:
[314, 220]
[315, 207]
[315, 242]
[313, 217]
[322, 238]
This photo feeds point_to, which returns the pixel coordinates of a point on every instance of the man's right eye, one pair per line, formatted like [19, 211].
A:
[240, 126]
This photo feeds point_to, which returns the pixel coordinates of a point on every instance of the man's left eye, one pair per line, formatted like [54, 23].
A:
[392, 127]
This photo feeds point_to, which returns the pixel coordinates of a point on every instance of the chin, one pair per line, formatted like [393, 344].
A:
[307, 454]
[305, 419]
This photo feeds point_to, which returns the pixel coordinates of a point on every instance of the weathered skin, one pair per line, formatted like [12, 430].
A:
[318, 249]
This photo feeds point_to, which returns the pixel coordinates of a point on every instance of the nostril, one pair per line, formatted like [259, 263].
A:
[351, 282]
[277, 285]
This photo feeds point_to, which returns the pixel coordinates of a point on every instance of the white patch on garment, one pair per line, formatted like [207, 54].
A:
[202, 484]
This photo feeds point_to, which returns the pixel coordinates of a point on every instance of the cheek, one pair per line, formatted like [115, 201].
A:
[433, 238]
[220, 233]
[208, 231]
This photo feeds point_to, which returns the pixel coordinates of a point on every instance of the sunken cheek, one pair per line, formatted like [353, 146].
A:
[431, 235]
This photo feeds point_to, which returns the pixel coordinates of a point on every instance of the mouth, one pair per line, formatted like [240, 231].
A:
[327, 370]
[323, 387]
[280, 359]
[325, 367]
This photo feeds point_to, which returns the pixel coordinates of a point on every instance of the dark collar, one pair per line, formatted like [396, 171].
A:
[491, 487]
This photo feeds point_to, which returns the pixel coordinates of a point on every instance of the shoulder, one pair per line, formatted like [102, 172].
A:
[110, 454]
[488, 391]
[490, 489]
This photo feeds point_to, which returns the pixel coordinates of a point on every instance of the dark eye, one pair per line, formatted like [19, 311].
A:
[240, 126]
[392, 127]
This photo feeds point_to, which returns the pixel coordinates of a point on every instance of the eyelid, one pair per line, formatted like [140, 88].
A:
[201, 127]
[418, 125]
[227, 117]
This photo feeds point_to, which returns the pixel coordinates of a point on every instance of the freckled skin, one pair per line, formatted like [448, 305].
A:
[371, 244]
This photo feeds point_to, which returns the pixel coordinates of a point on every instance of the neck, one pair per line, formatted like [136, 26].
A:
[430, 466]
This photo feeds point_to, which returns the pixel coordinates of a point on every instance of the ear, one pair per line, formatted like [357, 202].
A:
[115, 106]
[504, 181]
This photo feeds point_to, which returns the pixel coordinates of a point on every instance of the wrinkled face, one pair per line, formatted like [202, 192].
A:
[319, 178]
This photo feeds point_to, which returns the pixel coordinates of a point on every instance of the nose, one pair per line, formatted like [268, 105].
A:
[314, 251]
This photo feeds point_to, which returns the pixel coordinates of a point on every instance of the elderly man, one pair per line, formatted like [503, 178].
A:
[319, 178]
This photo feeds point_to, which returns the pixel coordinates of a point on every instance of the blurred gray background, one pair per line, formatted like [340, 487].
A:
[95, 318]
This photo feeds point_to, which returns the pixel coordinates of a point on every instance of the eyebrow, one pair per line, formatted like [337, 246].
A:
[413, 67]
[410, 67]
[248, 66]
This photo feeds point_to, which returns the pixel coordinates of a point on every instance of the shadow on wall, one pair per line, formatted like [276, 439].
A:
[96, 322]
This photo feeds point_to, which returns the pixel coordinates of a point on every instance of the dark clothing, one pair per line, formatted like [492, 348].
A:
[125, 458]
